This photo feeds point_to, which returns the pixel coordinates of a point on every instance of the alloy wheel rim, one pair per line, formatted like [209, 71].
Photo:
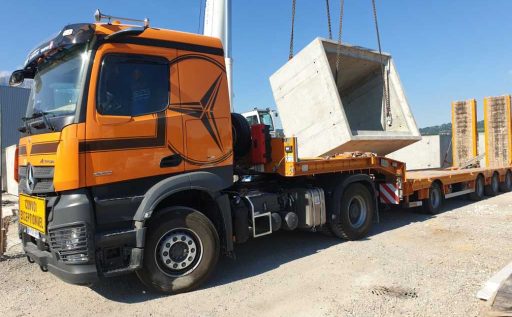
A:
[495, 184]
[178, 252]
[357, 211]
[435, 198]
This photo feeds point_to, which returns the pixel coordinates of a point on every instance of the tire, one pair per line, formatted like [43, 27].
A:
[356, 208]
[432, 205]
[493, 188]
[192, 238]
[241, 131]
[506, 186]
[479, 192]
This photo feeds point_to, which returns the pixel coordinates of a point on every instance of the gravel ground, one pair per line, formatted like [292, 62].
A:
[410, 265]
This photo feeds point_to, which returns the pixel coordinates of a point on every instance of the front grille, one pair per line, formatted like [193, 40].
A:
[70, 243]
[43, 178]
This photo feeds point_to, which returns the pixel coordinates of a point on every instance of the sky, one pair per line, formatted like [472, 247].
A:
[443, 50]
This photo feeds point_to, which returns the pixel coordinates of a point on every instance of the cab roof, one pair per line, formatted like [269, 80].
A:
[164, 35]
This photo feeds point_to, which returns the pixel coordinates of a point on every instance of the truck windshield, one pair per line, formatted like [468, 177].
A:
[57, 85]
[266, 119]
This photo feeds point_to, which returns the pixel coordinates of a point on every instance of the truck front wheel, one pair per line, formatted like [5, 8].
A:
[182, 249]
[356, 209]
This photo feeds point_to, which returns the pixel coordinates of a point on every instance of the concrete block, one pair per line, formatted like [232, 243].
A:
[435, 153]
[329, 116]
[498, 131]
[464, 131]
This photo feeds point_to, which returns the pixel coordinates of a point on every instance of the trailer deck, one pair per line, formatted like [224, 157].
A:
[285, 162]
[413, 187]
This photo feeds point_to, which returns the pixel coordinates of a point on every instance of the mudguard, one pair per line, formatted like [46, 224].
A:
[357, 178]
[211, 182]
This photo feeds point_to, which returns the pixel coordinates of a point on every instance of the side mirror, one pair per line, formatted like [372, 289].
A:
[17, 78]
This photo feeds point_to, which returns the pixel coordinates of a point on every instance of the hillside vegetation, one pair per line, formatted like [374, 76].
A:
[446, 128]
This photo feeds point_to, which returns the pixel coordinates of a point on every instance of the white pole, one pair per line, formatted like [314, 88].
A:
[217, 23]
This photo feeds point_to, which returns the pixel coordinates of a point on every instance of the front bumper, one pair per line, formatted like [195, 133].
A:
[93, 255]
[80, 274]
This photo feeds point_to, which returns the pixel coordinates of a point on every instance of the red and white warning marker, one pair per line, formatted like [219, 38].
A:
[389, 194]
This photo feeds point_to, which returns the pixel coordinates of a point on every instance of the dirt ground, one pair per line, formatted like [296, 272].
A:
[410, 265]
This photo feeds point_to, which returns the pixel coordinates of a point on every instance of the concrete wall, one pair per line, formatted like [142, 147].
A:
[432, 151]
[9, 184]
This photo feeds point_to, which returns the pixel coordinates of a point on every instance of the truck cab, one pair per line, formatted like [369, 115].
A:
[267, 117]
[115, 112]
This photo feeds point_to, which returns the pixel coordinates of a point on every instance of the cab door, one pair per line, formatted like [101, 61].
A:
[206, 111]
[130, 129]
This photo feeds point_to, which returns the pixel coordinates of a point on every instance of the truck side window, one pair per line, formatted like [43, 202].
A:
[133, 85]
[252, 120]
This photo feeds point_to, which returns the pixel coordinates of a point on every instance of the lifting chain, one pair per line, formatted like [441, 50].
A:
[290, 56]
[329, 19]
[385, 74]
[338, 47]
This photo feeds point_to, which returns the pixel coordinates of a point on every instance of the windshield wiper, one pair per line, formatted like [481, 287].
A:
[46, 121]
[26, 126]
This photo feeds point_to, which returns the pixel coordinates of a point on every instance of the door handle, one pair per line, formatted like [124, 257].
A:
[171, 161]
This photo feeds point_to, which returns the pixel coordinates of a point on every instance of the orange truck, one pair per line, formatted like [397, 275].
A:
[130, 160]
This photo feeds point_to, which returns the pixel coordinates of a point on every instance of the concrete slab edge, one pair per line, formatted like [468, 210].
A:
[493, 284]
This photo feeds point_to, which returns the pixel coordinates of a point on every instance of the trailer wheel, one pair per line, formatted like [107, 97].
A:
[506, 186]
[432, 205]
[478, 194]
[356, 209]
[182, 249]
[493, 188]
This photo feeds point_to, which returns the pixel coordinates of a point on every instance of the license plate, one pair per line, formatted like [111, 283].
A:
[33, 212]
[32, 232]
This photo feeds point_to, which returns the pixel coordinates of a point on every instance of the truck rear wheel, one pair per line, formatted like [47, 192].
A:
[182, 249]
[493, 188]
[432, 205]
[478, 194]
[506, 186]
[356, 209]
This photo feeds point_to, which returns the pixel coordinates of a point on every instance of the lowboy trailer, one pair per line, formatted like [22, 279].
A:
[418, 188]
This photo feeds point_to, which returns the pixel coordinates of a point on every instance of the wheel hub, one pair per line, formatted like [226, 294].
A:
[495, 183]
[177, 250]
[357, 211]
[479, 187]
[436, 199]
